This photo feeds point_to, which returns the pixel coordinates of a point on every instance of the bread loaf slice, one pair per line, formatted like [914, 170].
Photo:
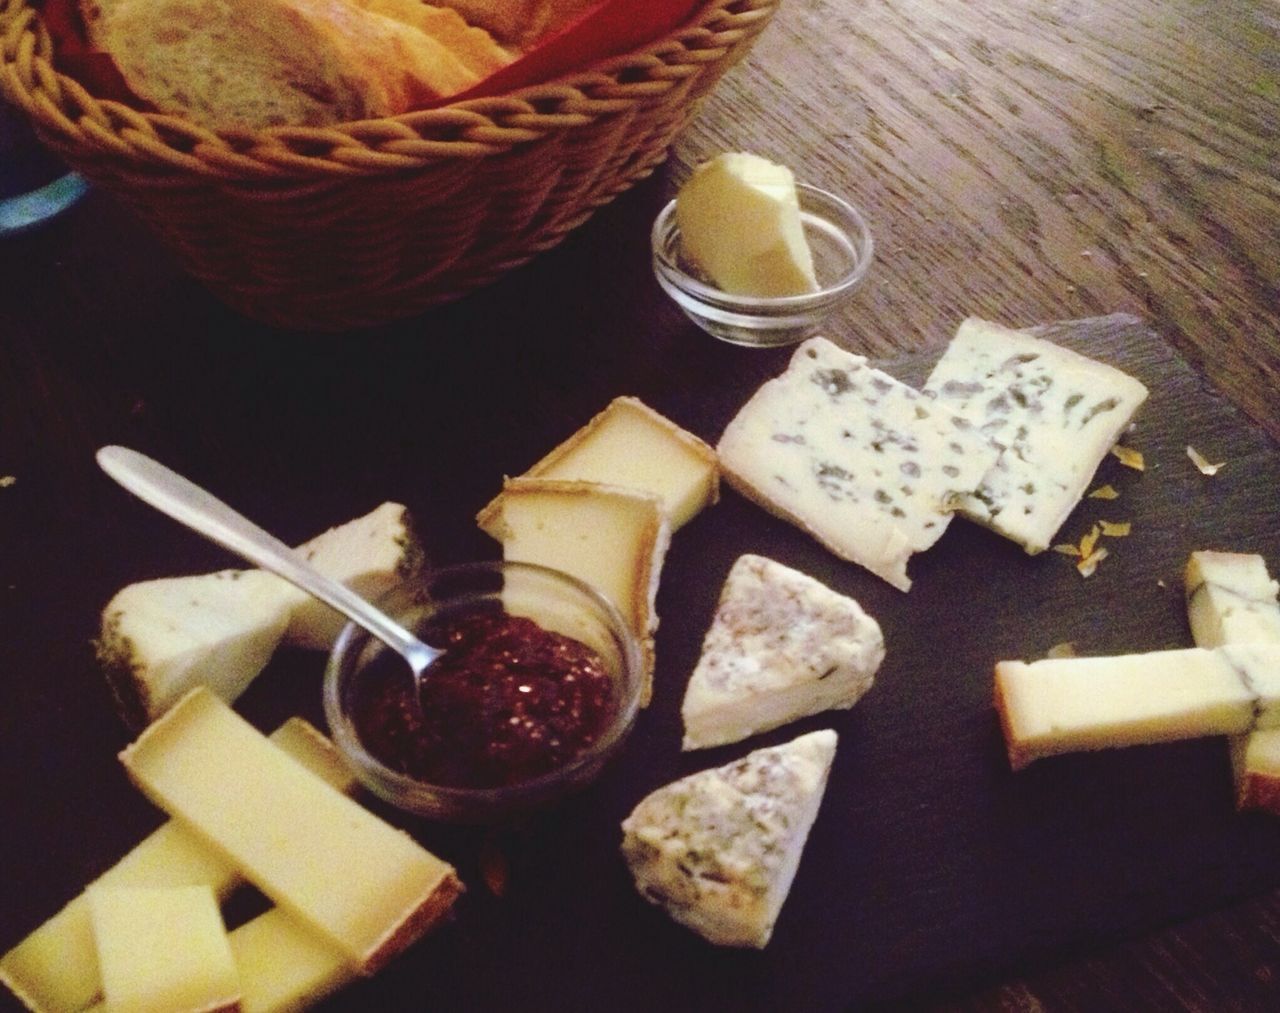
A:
[474, 47]
[521, 23]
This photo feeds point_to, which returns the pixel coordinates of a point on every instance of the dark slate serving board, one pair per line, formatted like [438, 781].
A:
[931, 867]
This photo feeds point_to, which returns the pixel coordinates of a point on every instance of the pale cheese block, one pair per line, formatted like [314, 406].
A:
[162, 950]
[161, 637]
[1064, 705]
[780, 647]
[283, 965]
[718, 850]
[862, 462]
[631, 445]
[55, 968]
[739, 220]
[371, 555]
[1231, 599]
[1051, 413]
[611, 538]
[366, 887]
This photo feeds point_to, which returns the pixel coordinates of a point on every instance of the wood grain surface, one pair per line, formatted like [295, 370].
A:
[1020, 160]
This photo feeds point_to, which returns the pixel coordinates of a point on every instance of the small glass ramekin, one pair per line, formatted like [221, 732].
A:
[840, 240]
[557, 602]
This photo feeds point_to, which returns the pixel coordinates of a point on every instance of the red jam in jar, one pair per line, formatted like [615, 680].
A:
[508, 701]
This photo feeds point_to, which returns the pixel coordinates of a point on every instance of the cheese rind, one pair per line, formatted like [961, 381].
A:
[55, 969]
[780, 647]
[1231, 599]
[864, 463]
[1064, 705]
[1051, 414]
[163, 950]
[718, 850]
[368, 888]
[739, 220]
[632, 446]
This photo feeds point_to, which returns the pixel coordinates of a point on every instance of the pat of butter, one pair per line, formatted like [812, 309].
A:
[739, 220]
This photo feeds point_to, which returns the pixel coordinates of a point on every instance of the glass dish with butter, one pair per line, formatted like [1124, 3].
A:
[754, 258]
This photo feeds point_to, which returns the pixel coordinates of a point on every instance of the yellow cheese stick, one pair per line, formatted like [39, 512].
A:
[368, 888]
[55, 969]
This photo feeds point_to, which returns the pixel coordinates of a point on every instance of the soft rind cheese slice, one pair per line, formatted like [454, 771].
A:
[367, 888]
[163, 950]
[718, 850]
[611, 538]
[161, 637]
[780, 647]
[632, 446]
[1051, 413]
[864, 463]
[739, 220]
[1231, 599]
[55, 968]
[1064, 705]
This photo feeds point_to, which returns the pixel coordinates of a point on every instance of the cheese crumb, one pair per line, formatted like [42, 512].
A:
[1064, 650]
[8, 480]
[1104, 492]
[1067, 550]
[1090, 540]
[1129, 457]
[1201, 463]
[1115, 529]
[1089, 565]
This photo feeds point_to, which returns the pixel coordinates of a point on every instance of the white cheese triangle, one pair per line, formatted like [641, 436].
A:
[1231, 599]
[781, 646]
[718, 850]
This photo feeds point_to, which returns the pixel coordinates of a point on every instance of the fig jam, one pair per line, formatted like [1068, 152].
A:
[508, 701]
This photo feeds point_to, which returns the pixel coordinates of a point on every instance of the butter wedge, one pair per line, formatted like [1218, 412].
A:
[739, 220]
[366, 887]
[163, 950]
[55, 968]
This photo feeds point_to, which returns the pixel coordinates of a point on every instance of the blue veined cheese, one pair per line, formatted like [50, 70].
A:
[1051, 413]
[718, 850]
[780, 647]
[861, 461]
[1231, 599]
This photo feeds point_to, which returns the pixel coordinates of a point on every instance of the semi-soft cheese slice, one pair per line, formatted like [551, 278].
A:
[718, 850]
[632, 446]
[1051, 413]
[283, 965]
[55, 969]
[864, 463]
[1064, 705]
[368, 888]
[163, 950]
[1231, 599]
[161, 637]
[612, 538]
[781, 646]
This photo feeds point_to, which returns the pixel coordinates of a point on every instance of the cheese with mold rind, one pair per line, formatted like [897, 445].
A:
[54, 969]
[368, 888]
[780, 647]
[864, 463]
[718, 850]
[1051, 413]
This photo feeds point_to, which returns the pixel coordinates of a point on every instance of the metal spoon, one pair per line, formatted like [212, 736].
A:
[199, 510]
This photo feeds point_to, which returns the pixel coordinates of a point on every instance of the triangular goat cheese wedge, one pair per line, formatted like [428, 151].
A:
[781, 646]
[864, 463]
[1051, 413]
[718, 850]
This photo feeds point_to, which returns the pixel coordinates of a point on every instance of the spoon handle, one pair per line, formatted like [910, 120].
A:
[200, 511]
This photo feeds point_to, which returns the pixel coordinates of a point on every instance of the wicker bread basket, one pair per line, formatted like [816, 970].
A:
[371, 221]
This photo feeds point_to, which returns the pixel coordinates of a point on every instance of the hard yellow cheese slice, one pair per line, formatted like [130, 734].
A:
[55, 968]
[1063, 705]
[162, 950]
[367, 888]
[631, 445]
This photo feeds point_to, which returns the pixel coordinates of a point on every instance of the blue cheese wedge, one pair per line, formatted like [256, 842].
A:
[718, 850]
[781, 646]
[1050, 413]
[1231, 599]
[861, 461]
[1064, 705]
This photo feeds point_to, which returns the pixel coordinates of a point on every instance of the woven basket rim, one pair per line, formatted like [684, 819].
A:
[76, 122]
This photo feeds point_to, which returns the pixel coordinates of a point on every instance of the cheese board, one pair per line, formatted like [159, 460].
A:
[931, 868]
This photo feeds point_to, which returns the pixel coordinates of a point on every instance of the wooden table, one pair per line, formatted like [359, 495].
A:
[1021, 161]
